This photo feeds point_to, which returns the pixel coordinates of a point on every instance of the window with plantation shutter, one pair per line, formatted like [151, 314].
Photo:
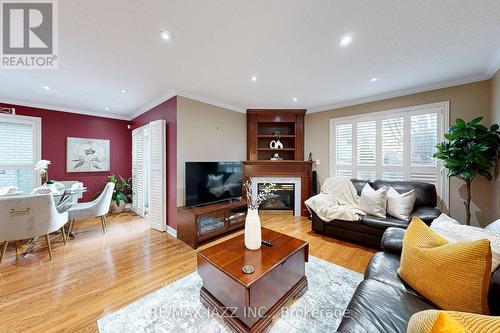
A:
[20, 143]
[344, 139]
[424, 138]
[365, 144]
[344, 173]
[392, 145]
[392, 136]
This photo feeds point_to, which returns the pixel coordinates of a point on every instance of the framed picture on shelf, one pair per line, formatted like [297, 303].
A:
[87, 155]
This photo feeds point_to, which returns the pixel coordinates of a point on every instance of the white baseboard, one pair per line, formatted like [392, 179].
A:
[171, 231]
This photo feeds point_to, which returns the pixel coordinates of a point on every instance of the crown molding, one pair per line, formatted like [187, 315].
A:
[494, 64]
[400, 93]
[154, 103]
[199, 98]
[211, 101]
[62, 109]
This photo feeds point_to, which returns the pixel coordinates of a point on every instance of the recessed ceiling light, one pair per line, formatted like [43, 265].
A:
[123, 91]
[295, 99]
[165, 35]
[346, 40]
[254, 78]
[46, 87]
[374, 79]
[106, 108]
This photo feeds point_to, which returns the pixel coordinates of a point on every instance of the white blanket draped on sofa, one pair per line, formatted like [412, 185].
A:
[338, 199]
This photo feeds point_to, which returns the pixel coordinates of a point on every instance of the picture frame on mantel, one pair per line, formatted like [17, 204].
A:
[87, 155]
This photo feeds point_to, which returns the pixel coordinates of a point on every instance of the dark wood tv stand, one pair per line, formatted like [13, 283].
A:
[199, 224]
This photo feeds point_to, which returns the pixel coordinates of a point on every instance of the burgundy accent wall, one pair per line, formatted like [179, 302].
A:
[168, 112]
[57, 126]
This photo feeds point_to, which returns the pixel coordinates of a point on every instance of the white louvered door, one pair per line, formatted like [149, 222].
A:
[138, 171]
[157, 176]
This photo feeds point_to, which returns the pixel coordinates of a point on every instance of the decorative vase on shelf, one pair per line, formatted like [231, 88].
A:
[253, 233]
[276, 144]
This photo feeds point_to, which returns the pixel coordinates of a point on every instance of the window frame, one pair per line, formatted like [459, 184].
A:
[36, 124]
[442, 108]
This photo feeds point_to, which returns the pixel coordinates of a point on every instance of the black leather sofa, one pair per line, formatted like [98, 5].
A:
[383, 303]
[368, 230]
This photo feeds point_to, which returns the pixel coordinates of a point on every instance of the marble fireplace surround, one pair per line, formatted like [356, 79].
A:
[296, 181]
[284, 171]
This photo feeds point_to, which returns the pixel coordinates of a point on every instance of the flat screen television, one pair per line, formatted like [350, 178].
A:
[208, 182]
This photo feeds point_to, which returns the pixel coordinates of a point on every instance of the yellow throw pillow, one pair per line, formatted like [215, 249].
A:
[454, 276]
[445, 324]
[436, 321]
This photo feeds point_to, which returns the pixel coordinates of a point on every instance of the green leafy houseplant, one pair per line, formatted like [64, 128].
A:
[470, 149]
[123, 189]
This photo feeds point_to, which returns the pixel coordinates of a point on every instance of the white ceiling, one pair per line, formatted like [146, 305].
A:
[292, 46]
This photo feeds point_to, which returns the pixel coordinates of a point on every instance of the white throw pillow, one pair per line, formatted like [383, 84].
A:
[453, 231]
[373, 202]
[400, 205]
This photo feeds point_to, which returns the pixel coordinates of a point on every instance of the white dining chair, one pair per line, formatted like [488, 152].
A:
[97, 208]
[29, 217]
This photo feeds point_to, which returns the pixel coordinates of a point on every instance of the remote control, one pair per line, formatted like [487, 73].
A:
[267, 243]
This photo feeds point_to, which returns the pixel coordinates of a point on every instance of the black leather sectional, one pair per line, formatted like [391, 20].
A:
[383, 303]
[368, 230]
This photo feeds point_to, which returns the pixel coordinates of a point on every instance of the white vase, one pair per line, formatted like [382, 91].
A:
[272, 144]
[253, 235]
[278, 145]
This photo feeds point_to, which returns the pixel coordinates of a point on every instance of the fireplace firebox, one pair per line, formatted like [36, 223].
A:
[282, 201]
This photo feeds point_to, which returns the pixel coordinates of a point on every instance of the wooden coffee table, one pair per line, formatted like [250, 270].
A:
[248, 301]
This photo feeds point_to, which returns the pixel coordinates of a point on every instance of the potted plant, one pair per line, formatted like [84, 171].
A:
[122, 193]
[470, 149]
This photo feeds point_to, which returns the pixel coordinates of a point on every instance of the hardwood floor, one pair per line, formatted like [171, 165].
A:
[95, 274]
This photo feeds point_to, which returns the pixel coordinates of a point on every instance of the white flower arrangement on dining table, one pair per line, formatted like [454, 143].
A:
[42, 168]
[255, 199]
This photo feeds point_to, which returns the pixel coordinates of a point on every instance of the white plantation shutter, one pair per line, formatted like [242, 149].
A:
[344, 147]
[424, 138]
[138, 171]
[392, 145]
[366, 175]
[344, 173]
[158, 176]
[366, 133]
[392, 141]
[20, 142]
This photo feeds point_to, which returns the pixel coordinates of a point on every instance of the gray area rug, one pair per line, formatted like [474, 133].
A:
[177, 308]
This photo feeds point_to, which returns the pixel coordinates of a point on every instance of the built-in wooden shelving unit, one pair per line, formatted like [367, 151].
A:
[261, 128]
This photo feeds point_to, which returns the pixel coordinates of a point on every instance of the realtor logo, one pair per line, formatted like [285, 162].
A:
[29, 34]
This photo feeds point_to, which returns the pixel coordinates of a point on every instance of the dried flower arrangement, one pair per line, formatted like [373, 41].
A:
[255, 199]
